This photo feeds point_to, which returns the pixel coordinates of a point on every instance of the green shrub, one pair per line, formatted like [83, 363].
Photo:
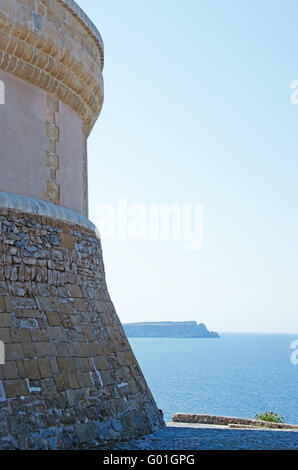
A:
[270, 416]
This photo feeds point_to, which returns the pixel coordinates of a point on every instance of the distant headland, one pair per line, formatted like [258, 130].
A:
[168, 329]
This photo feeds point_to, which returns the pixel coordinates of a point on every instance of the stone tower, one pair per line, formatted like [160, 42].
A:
[70, 379]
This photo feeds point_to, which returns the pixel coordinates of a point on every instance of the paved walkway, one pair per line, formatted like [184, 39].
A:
[178, 436]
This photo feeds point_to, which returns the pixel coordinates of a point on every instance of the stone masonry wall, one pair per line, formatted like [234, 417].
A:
[70, 379]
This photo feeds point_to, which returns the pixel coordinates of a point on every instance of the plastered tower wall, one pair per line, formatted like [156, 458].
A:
[70, 379]
[55, 55]
[44, 145]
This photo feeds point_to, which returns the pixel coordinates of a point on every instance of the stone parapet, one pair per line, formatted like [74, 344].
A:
[43, 208]
[78, 12]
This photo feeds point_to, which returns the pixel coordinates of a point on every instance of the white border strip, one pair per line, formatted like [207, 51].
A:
[38, 207]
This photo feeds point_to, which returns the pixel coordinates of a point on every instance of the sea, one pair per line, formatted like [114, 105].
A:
[236, 375]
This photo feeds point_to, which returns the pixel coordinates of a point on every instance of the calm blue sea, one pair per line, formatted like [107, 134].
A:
[236, 375]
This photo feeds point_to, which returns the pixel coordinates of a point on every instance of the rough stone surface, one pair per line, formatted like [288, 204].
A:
[70, 379]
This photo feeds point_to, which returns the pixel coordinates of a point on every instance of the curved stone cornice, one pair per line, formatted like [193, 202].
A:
[77, 11]
[42, 208]
[53, 45]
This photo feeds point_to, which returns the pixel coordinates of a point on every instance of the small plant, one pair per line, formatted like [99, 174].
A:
[270, 416]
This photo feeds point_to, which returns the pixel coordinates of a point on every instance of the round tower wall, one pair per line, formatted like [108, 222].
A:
[43, 146]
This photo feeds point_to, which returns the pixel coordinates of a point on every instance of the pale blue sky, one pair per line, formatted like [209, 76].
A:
[197, 110]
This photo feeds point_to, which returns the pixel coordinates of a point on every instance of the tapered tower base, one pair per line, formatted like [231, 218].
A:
[70, 379]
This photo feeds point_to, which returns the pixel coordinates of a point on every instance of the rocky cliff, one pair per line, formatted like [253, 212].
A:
[188, 329]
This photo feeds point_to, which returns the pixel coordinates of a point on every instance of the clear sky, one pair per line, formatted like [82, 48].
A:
[197, 110]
